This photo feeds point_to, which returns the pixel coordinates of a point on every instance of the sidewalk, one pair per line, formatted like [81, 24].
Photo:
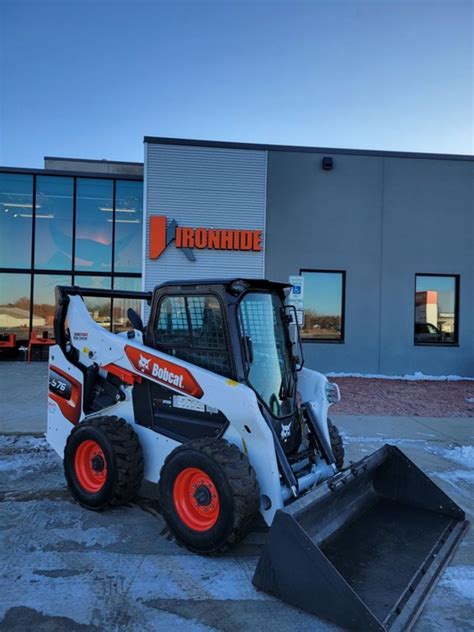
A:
[23, 397]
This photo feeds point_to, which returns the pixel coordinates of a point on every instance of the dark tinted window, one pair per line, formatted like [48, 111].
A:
[323, 305]
[192, 328]
[15, 304]
[121, 305]
[436, 309]
[16, 213]
[53, 223]
[94, 219]
[128, 226]
[44, 303]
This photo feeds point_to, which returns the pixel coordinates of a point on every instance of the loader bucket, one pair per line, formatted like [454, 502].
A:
[365, 549]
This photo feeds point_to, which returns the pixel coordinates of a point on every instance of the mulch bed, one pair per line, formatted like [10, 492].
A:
[424, 398]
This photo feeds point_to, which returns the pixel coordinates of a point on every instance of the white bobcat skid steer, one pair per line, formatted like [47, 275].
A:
[210, 402]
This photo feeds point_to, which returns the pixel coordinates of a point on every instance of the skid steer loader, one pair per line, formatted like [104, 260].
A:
[211, 402]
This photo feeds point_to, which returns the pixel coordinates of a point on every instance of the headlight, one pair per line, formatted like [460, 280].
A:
[333, 394]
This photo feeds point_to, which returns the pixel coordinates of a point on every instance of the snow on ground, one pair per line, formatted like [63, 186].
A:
[462, 454]
[116, 569]
[459, 579]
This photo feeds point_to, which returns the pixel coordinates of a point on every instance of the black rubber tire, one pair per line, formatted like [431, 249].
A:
[124, 459]
[337, 445]
[237, 486]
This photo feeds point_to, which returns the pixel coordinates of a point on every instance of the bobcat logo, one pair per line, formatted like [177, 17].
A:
[143, 364]
[285, 431]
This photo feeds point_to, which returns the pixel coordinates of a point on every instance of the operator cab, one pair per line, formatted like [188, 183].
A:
[239, 329]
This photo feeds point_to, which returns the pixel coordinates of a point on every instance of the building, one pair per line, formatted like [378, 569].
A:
[72, 222]
[382, 240]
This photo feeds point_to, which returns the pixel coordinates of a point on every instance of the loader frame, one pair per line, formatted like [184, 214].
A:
[229, 293]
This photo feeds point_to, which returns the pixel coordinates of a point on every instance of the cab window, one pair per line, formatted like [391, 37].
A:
[192, 328]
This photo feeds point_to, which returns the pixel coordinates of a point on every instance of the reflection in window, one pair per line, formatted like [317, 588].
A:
[16, 212]
[121, 305]
[98, 308]
[15, 305]
[94, 219]
[128, 226]
[44, 304]
[53, 223]
[323, 306]
[436, 309]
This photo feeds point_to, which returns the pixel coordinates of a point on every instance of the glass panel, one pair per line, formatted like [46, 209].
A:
[205, 344]
[121, 305]
[270, 367]
[323, 301]
[128, 226]
[207, 324]
[16, 212]
[99, 308]
[44, 304]
[435, 310]
[94, 225]
[15, 305]
[172, 326]
[53, 231]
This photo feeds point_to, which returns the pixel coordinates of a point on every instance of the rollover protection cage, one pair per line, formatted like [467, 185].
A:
[365, 549]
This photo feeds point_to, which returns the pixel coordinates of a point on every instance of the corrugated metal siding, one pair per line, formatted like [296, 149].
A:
[209, 187]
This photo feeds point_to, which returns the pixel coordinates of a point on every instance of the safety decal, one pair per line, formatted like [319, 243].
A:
[66, 392]
[80, 335]
[163, 371]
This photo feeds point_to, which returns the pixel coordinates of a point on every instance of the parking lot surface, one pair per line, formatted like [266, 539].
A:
[65, 568]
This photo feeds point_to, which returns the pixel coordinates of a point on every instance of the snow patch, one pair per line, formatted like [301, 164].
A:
[460, 579]
[456, 476]
[408, 377]
[464, 455]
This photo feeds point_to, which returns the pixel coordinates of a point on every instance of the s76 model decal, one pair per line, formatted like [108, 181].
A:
[163, 371]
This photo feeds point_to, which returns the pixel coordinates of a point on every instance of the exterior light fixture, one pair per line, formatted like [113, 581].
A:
[327, 163]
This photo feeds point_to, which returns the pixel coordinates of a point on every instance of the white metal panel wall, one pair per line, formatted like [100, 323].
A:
[208, 187]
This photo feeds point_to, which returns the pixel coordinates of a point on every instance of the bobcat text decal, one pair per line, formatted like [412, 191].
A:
[162, 371]
[186, 238]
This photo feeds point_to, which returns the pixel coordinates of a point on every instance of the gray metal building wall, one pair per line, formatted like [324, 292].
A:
[382, 219]
[209, 187]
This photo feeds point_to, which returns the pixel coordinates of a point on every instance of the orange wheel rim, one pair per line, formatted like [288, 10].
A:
[90, 466]
[196, 499]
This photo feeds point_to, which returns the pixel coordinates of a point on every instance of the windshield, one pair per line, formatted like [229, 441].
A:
[270, 366]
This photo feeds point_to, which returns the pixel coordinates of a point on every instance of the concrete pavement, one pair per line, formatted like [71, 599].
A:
[63, 567]
[23, 397]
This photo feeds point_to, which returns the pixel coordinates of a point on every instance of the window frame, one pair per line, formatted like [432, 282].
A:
[457, 284]
[331, 341]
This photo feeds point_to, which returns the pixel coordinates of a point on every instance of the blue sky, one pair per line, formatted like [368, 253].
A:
[444, 286]
[91, 78]
[323, 293]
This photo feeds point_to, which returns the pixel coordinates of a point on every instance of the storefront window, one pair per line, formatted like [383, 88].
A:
[44, 304]
[15, 305]
[94, 218]
[121, 305]
[436, 309]
[53, 223]
[323, 305]
[16, 213]
[128, 226]
[99, 308]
